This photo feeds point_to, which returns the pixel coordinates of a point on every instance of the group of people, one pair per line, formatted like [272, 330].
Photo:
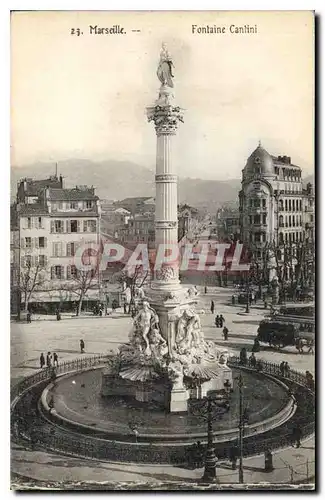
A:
[284, 368]
[219, 321]
[51, 360]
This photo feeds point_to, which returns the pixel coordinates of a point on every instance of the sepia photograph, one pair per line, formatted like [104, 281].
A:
[162, 250]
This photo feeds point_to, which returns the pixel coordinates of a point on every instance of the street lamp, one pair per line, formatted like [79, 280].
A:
[243, 419]
[210, 407]
[247, 293]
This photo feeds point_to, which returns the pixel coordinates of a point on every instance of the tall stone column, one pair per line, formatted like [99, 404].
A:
[166, 117]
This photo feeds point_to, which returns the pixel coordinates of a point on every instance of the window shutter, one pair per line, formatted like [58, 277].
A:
[54, 249]
[23, 262]
[45, 260]
[32, 222]
[36, 261]
[85, 226]
[61, 254]
[52, 273]
[68, 226]
[68, 249]
[62, 272]
[45, 242]
[22, 242]
[36, 243]
[78, 226]
[52, 226]
[68, 272]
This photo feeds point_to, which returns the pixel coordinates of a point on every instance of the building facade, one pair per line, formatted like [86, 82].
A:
[49, 233]
[274, 206]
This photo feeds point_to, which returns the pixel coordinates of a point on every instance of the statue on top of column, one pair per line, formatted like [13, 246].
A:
[164, 71]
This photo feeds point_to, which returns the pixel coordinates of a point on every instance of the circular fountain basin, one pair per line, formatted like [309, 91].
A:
[78, 405]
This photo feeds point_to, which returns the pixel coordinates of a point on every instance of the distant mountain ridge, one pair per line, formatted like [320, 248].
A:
[117, 180]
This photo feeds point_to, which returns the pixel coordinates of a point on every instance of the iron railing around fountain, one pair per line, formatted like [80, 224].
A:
[64, 367]
[86, 446]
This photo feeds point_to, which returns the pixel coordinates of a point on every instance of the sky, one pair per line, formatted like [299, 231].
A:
[86, 96]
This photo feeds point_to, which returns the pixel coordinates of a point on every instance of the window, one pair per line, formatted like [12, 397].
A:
[42, 260]
[257, 203]
[71, 249]
[286, 237]
[57, 249]
[281, 238]
[73, 226]
[289, 220]
[41, 242]
[57, 272]
[263, 202]
[264, 218]
[29, 222]
[300, 205]
[286, 205]
[281, 221]
[257, 236]
[257, 219]
[300, 220]
[71, 272]
[293, 221]
[250, 202]
[57, 226]
[73, 205]
[89, 204]
[89, 226]
[28, 260]
[40, 222]
[250, 219]
[290, 206]
[28, 242]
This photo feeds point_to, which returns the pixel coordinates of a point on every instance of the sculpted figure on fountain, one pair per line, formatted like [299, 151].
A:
[145, 339]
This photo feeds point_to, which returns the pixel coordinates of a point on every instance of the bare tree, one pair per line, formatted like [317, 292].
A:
[31, 279]
[133, 279]
[83, 281]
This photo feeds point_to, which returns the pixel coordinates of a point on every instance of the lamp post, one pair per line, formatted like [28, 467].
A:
[243, 419]
[209, 408]
[247, 293]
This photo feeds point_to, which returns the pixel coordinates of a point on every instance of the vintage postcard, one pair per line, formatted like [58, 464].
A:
[162, 250]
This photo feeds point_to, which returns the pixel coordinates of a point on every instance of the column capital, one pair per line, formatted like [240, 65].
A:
[166, 118]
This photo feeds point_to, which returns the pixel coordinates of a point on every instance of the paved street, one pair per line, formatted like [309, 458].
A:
[106, 333]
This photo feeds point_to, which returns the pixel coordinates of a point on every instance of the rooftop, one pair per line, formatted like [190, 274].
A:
[33, 186]
[32, 209]
[75, 194]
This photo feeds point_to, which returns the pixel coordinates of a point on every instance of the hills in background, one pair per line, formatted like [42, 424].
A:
[115, 180]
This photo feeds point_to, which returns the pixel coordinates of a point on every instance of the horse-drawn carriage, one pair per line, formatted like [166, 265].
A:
[282, 331]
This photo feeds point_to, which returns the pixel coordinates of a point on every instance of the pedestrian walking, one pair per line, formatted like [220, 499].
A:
[29, 317]
[222, 320]
[282, 368]
[217, 321]
[205, 289]
[286, 369]
[212, 306]
[252, 360]
[125, 308]
[55, 359]
[256, 346]
[48, 359]
[296, 436]
[243, 356]
[225, 332]
[82, 346]
[42, 360]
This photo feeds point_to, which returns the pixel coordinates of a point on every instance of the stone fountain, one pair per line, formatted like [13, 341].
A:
[167, 359]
